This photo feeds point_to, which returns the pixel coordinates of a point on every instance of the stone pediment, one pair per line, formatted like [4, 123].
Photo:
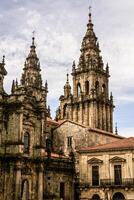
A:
[95, 161]
[117, 159]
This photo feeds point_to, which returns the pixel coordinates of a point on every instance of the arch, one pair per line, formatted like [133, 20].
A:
[97, 87]
[26, 142]
[25, 190]
[118, 196]
[87, 87]
[95, 197]
[78, 89]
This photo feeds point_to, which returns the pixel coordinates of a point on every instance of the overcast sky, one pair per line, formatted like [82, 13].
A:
[60, 26]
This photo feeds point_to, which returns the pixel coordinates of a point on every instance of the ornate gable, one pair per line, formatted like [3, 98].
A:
[117, 159]
[95, 161]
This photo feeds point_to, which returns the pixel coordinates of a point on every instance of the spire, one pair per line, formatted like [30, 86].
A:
[2, 67]
[90, 24]
[46, 86]
[32, 53]
[90, 58]
[49, 111]
[31, 75]
[3, 60]
[116, 129]
[13, 87]
[73, 66]
[107, 69]
[67, 87]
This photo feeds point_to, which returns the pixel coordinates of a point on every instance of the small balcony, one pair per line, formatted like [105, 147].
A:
[127, 182]
[104, 183]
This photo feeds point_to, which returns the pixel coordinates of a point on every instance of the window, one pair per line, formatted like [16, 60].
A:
[117, 175]
[97, 87]
[95, 175]
[78, 89]
[118, 196]
[95, 197]
[62, 190]
[69, 141]
[26, 142]
[87, 87]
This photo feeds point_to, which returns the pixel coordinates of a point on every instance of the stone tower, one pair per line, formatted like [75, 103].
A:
[3, 73]
[90, 103]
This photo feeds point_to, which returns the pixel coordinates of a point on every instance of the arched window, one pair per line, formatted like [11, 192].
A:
[103, 88]
[26, 142]
[118, 196]
[25, 190]
[97, 87]
[87, 87]
[95, 197]
[78, 89]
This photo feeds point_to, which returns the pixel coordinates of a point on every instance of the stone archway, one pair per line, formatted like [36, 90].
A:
[118, 196]
[95, 197]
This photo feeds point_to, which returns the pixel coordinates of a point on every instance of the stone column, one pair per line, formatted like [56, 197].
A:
[91, 115]
[86, 115]
[108, 118]
[40, 183]
[74, 87]
[70, 112]
[20, 136]
[81, 113]
[104, 116]
[111, 119]
[18, 181]
[100, 114]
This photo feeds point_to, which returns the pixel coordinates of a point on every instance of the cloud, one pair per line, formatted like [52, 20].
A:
[60, 26]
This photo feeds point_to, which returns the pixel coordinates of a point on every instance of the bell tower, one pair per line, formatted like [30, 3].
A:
[90, 103]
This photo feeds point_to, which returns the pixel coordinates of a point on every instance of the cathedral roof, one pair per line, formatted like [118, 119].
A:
[99, 131]
[52, 122]
[127, 143]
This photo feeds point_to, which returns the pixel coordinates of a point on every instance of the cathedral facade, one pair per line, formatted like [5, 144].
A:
[28, 168]
[44, 159]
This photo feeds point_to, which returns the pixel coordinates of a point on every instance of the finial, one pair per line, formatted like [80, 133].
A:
[33, 38]
[73, 66]
[74, 63]
[116, 129]
[16, 82]
[111, 97]
[67, 77]
[13, 87]
[25, 64]
[49, 111]
[3, 60]
[90, 9]
[107, 68]
[46, 86]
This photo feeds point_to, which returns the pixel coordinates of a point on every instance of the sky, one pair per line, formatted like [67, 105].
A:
[59, 27]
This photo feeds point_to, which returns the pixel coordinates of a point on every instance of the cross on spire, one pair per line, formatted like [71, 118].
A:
[90, 9]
